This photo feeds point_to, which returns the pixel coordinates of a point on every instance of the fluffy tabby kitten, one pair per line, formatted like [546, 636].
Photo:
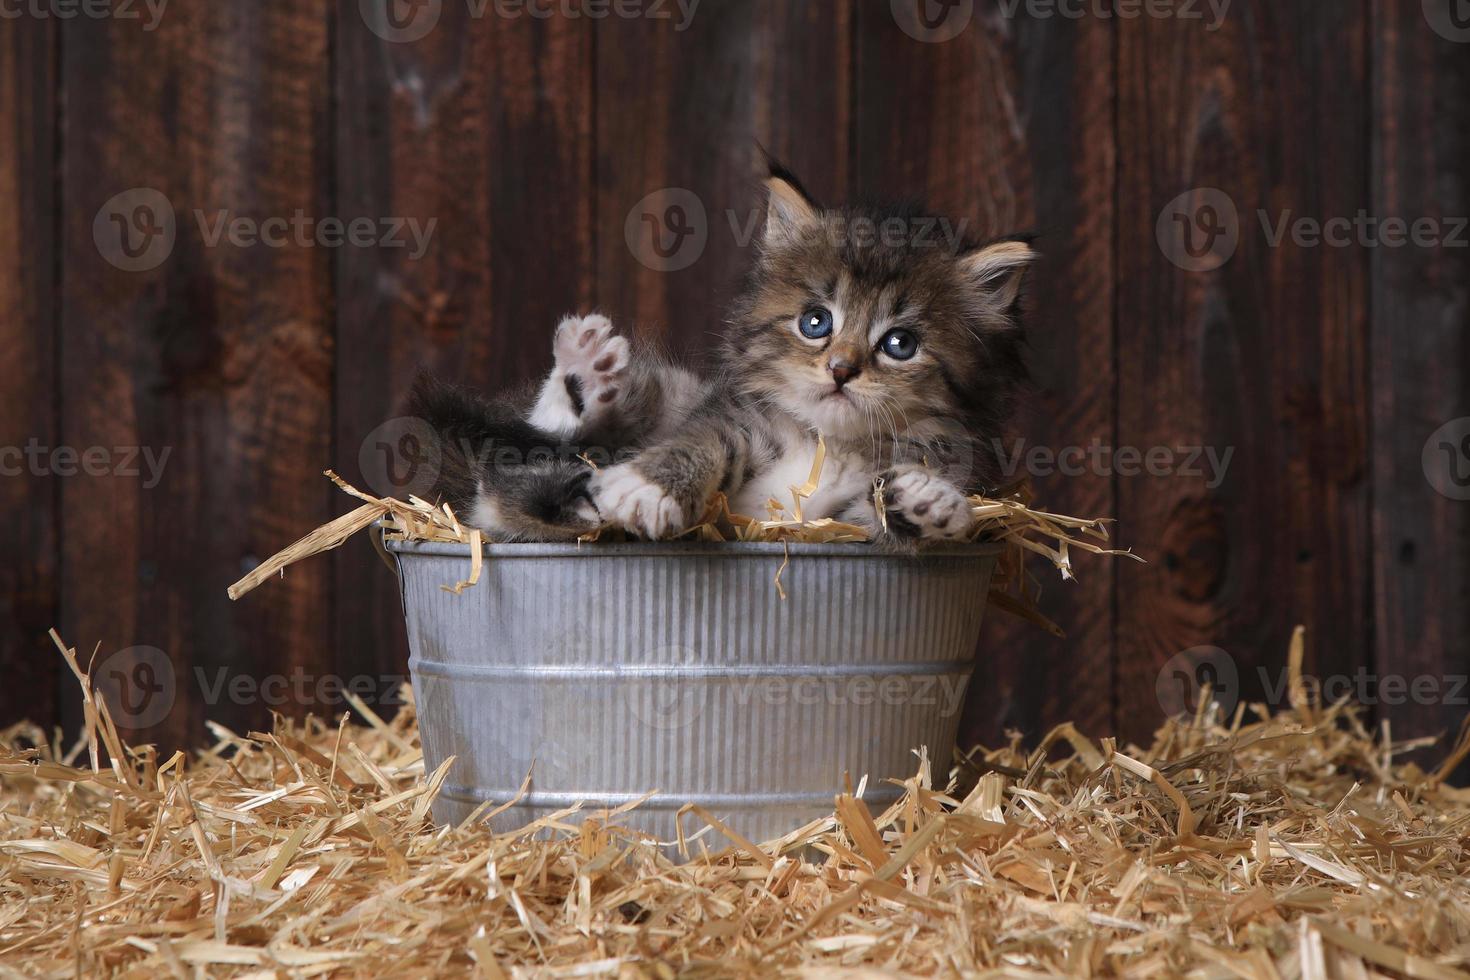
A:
[902, 354]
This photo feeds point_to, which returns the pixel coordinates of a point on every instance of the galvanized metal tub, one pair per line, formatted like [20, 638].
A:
[606, 671]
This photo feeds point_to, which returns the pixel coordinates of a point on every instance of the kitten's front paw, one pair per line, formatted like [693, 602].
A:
[593, 361]
[922, 505]
[630, 500]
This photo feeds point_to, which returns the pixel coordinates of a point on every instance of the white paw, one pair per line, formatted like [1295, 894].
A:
[935, 507]
[593, 360]
[630, 500]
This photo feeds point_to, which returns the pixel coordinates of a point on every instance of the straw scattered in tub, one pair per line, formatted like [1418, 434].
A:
[1009, 520]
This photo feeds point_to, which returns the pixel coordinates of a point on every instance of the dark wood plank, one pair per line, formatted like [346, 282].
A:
[219, 354]
[1421, 368]
[483, 125]
[28, 397]
[1265, 355]
[1009, 125]
[680, 117]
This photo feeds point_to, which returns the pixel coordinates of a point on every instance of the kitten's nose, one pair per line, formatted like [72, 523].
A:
[843, 371]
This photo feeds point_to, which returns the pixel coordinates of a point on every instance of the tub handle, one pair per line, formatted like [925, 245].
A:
[375, 534]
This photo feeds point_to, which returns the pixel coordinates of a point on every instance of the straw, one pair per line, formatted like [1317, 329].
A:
[1258, 845]
[1009, 521]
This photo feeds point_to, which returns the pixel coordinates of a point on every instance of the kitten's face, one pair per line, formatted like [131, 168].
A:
[861, 335]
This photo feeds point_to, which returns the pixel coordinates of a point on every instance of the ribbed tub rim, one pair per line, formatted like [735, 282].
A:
[683, 549]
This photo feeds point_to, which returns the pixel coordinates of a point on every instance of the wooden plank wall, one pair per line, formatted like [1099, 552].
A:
[530, 149]
[29, 399]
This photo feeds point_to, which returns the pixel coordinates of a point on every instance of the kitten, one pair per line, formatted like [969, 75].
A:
[904, 356]
[517, 466]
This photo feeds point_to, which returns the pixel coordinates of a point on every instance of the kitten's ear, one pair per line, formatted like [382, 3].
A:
[790, 210]
[995, 271]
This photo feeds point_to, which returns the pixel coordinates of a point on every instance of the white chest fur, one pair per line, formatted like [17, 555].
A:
[844, 477]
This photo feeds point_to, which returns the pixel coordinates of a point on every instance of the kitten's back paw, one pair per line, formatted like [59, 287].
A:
[593, 362]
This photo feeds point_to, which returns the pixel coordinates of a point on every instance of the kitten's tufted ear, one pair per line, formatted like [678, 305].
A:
[790, 210]
[995, 271]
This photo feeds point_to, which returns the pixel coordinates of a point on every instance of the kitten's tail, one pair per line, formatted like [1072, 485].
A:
[497, 471]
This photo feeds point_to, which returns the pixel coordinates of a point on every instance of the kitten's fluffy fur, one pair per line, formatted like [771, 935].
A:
[903, 355]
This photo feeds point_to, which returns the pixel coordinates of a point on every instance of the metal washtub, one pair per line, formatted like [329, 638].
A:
[606, 671]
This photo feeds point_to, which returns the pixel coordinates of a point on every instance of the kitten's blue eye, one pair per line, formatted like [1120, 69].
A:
[899, 344]
[816, 323]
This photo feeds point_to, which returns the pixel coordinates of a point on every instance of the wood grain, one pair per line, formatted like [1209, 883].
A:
[526, 147]
[1265, 355]
[483, 126]
[1009, 126]
[220, 355]
[29, 401]
[1421, 370]
[688, 110]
